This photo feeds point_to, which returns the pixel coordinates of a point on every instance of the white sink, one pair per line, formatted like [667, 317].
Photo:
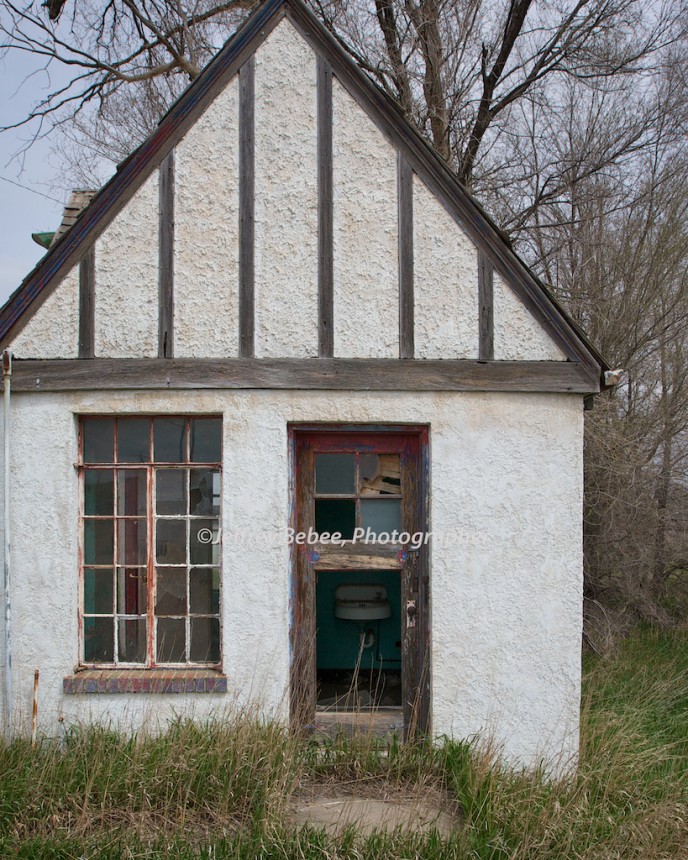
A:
[361, 602]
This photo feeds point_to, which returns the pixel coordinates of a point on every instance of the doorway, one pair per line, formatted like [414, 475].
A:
[360, 575]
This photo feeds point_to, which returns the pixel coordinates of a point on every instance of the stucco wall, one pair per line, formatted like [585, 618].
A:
[126, 317]
[506, 575]
[517, 335]
[445, 281]
[54, 331]
[366, 308]
[286, 212]
[206, 246]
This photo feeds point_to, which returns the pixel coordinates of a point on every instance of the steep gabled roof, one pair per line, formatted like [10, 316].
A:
[109, 201]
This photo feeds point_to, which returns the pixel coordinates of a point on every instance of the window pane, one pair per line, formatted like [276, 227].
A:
[381, 516]
[98, 439]
[204, 591]
[132, 640]
[170, 591]
[133, 440]
[98, 592]
[335, 515]
[132, 590]
[99, 544]
[380, 474]
[204, 541]
[99, 640]
[206, 440]
[334, 473]
[169, 440]
[205, 640]
[170, 491]
[131, 492]
[98, 492]
[204, 492]
[131, 542]
[170, 543]
[171, 645]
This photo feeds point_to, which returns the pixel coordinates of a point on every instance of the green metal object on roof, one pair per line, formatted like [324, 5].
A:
[43, 239]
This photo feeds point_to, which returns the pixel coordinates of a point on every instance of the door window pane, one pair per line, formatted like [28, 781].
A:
[336, 515]
[131, 492]
[170, 491]
[204, 591]
[204, 541]
[132, 548]
[169, 440]
[98, 492]
[334, 473]
[171, 591]
[98, 439]
[380, 474]
[171, 644]
[133, 440]
[206, 440]
[381, 515]
[132, 590]
[204, 492]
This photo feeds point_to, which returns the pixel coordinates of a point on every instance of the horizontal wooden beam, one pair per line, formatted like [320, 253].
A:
[108, 374]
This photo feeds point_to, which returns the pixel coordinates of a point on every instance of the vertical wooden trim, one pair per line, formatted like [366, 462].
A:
[246, 208]
[325, 213]
[87, 303]
[485, 309]
[166, 250]
[405, 198]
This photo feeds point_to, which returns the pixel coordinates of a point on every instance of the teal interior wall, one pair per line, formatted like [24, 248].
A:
[337, 640]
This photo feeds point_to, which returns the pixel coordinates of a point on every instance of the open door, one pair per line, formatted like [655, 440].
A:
[360, 576]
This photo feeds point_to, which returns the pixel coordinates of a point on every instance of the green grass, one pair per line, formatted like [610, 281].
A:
[223, 790]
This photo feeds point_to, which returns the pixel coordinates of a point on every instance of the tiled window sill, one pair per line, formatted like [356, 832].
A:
[145, 681]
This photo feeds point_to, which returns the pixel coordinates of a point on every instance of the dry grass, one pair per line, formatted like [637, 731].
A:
[225, 790]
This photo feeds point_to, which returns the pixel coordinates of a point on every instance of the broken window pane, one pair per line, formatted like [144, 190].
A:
[98, 440]
[132, 590]
[170, 541]
[334, 473]
[131, 634]
[204, 541]
[171, 642]
[206, 440]
[204, 591]
[98, 591]
[336, 515]
[169, 440]
[205, 640]
[170, 491]
[99, 640]
[381, 516]
[170, 591]
[98, 492]
[380, 474]
[131, 492]
[204, 492]
[133, 440]
[99, 543]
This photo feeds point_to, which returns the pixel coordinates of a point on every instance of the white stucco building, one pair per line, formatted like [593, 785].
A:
[284, 312]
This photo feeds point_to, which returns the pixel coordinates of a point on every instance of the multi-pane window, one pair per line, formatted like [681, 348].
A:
[151, 540]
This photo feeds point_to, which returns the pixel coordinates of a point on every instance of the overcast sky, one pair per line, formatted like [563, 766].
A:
[27, 209]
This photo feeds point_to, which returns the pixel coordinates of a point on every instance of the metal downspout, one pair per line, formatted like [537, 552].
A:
[6, 376]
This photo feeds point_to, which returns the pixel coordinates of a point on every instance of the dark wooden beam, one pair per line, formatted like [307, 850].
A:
[485, 308]
[166, 268]
[247, 81]
[405, 227]
[87, 303]
[105, 374]
[325, 213]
